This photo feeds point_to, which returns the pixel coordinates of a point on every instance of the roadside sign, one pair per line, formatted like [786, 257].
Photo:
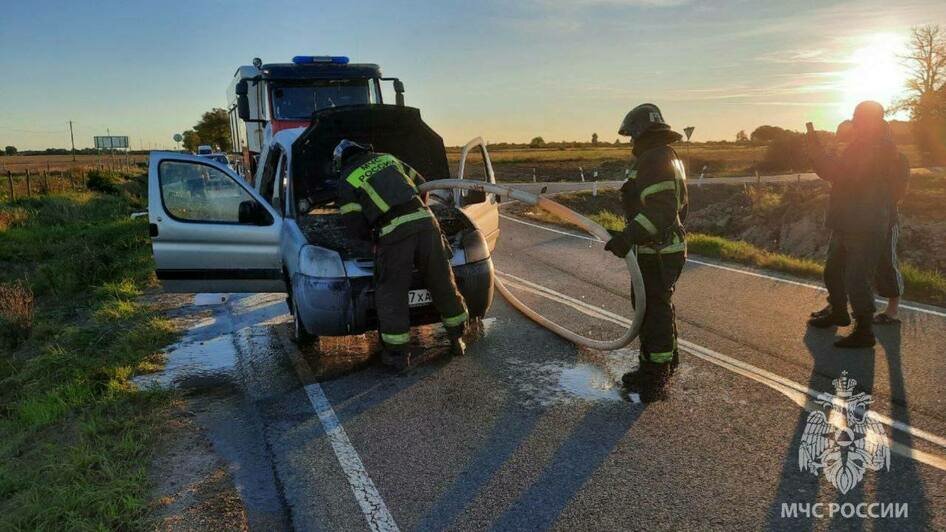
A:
[178, 137]
[110, 142]
[688, 131]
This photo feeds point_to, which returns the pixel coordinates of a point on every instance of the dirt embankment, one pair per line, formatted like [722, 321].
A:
[789, 218]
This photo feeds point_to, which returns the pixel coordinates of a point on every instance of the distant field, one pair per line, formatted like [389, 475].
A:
[554, 164]
[567, 164]
[18, 164]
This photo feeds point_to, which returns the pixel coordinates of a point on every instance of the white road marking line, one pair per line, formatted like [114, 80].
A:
[372, 505]
[549, 229]
[793, 390]
[903, 305]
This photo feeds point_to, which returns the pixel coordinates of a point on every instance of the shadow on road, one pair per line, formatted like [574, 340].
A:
[901, 484]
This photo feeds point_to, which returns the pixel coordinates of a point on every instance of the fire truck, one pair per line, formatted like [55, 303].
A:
[263, 99]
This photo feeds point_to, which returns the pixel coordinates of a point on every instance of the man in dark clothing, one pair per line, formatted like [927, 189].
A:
[655, 206]
[858, 215]
[378, 193]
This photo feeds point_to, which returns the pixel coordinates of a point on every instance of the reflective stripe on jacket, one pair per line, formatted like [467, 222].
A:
[375, 183]
[655, 202]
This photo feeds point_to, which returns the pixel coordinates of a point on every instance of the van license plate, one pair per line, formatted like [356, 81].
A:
[419, 298]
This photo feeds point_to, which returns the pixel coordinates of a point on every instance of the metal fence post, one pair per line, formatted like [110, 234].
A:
[29, 184]
[10, 182]
[46, 182]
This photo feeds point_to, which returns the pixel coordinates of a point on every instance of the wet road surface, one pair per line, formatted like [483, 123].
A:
[529, 432]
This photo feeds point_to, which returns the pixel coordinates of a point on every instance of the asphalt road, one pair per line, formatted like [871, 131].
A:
[529, 432]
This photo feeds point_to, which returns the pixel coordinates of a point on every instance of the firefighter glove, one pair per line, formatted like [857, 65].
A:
[619, 245]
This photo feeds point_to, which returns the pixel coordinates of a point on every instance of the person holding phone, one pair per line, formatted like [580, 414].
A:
[858, 216]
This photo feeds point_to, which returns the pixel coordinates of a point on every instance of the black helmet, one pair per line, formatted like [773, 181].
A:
[345, 149]
[641, 119]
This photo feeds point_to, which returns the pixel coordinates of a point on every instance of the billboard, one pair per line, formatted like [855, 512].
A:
[110, 143]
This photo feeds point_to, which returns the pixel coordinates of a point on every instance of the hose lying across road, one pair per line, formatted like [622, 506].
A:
[637, 282]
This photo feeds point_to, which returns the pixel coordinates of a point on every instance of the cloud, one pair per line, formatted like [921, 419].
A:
[815, 55]
[629, 3]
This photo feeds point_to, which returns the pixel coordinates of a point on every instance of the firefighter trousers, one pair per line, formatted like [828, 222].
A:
[658, 333]
[422, 247]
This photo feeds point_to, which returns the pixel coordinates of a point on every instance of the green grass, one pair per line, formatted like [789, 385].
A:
[75, 434]
[920, 285]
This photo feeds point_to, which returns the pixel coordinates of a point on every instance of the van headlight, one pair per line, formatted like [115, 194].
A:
[320, 262]
[474, 246]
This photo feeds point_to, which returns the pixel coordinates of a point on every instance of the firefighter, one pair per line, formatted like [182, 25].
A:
[655, 206]
[378, 197]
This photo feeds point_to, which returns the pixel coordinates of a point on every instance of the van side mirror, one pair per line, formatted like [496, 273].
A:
[252, 213]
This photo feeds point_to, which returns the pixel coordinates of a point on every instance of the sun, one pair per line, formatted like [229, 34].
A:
[876, 72]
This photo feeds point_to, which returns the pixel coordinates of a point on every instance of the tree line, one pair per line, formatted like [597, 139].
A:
[212, 129]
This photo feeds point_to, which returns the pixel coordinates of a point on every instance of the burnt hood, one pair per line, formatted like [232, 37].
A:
[393, 129]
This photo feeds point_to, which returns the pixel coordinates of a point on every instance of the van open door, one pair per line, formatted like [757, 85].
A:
[210, 231]
[481, 207]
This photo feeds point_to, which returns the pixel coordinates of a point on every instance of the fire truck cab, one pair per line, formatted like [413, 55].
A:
[263, 99]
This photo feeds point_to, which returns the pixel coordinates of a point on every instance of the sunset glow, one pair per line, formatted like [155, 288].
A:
[876, 72]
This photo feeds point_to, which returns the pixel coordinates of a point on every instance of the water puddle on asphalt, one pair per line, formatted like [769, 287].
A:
[210, 299]
[595, 376]
[195, 364]
[205, 356]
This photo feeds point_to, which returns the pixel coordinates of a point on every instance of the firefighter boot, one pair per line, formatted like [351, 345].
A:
[396, 359]
[835, 317]
[457, 347]
[823, 312]
[861, 336]
[650, 380]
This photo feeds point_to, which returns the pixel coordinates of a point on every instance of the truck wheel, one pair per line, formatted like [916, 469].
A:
[300, 335]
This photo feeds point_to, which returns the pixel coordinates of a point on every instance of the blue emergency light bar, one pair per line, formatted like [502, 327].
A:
[313, 59]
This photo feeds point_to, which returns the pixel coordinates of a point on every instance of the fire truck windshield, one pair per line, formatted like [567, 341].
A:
[298, 102]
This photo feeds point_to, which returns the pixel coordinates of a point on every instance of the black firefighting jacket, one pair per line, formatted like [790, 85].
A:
[380, 191]
[655, 197]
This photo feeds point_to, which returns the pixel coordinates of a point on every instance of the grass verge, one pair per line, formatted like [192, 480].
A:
[920, 285]
[75, 434]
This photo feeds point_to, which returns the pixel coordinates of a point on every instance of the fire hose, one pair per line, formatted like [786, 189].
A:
[564, 213]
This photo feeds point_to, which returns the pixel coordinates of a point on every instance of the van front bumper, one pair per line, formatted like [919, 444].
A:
[345, 306]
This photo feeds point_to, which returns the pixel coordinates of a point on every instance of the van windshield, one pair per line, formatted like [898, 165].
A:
[298, 102]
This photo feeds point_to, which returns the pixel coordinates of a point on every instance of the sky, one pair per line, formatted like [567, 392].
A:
[507, 71]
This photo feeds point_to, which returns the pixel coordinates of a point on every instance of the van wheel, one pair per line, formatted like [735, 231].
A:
[300, 335]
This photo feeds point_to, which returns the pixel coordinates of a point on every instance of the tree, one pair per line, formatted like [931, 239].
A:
[785, 153]
[191, 140]
[10, 150]
[769, 133]
[741, 136]
[214, 129]
[594, 139]
[926, 90]
[537, 142]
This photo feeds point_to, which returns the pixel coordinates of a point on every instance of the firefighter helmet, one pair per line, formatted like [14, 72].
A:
[345, 149]
[641, 119]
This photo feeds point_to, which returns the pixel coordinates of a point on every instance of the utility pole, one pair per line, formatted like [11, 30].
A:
[72, 139]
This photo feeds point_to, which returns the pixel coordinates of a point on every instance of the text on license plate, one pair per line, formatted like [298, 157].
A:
[418, 298]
